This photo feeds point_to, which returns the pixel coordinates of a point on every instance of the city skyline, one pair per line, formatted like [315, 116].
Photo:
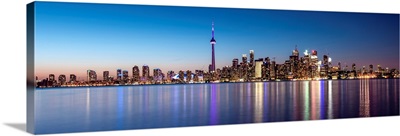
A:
[72, 39]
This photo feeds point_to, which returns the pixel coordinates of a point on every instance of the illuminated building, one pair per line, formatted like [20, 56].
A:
[62, 79]
[125, 76]
[265, 72]
[119, 74]
[258, 68]
[157, 75]
[272, 70]
[235, 63]
[51, 77]
[91, 75]
[145, 73]
[181, 76]
[371, 69]
[251, 65]
[135, 74]
[212, 42]
[188, 76]
[314, 64]
[106, 75]
[294, 62]
[244, 58]
[52, 81]
[325, 67]
[72, 78]
[199, 75]
[170, 75]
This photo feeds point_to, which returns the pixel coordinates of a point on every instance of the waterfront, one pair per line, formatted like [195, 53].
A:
[134, 107]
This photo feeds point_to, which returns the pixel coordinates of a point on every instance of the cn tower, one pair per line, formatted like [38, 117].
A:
[212, 42]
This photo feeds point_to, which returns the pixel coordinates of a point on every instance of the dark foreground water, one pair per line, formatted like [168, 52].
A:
[137, 107]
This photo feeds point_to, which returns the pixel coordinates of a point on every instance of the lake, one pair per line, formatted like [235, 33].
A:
[59, 110]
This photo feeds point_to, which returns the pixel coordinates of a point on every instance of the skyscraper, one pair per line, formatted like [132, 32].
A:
[145, 72]
[91, 75]
[125, 76]
[135, 74]
[62, 79]
[119, 74]
[258, 68]
[251, 57]
[106, 75]
[72, 78]
[212, 42]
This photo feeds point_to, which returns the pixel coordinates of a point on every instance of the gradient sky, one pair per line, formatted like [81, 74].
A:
[71, 38]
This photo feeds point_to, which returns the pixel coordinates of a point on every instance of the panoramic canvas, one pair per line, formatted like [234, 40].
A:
[98, 67]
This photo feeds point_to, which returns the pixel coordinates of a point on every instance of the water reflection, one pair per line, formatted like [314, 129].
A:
[134, 107]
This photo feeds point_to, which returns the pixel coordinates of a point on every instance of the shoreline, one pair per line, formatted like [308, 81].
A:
[45, 88]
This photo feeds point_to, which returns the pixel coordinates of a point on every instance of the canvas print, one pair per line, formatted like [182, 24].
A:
[99, 67]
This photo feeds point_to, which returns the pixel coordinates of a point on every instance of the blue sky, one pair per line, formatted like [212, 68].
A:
[71, 38]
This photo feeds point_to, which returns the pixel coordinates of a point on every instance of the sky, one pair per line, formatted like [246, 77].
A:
[71, 38]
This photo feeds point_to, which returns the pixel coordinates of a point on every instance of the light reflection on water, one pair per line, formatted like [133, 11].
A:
[135, 107]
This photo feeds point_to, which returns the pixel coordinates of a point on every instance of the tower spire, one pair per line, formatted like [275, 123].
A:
[212, 33]
[212, 42]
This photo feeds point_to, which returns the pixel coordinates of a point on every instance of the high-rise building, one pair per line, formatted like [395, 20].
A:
[314, 64]
[235, 63]
[294, 64]
[157, 75]
[325, 67]
[188, 76]
[371, 69]
[51, 77]
[106, 75]
[258, 68]
[91, 75]
[125, 76]
[145, 73]
[170, 75]
[119, 74]
[272, 70]
[135, 74]
[62, 79]
[244, 58]
[212, 42]
[72, 78]
[251, 63]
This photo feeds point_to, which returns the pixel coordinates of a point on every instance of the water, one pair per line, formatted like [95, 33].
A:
[61, 110]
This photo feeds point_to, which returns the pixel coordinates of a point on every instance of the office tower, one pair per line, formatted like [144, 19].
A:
[51, 77]
[294, 62]
[62, 79]
[272, 70]
[235, 63]
[325, 67]
[258, 68]
[119, 74]
[106, 75]
[72, 78]
[339, 66]
[251, 63]
[181, 76]
[188, 76]
[314, 64]
[91, 75]
[265, 69]
[135, 74]
[145, 73]
[212, 42]
[157, 75]
[125, 76]
[244, 58]
[170, 75]
[371, 69]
